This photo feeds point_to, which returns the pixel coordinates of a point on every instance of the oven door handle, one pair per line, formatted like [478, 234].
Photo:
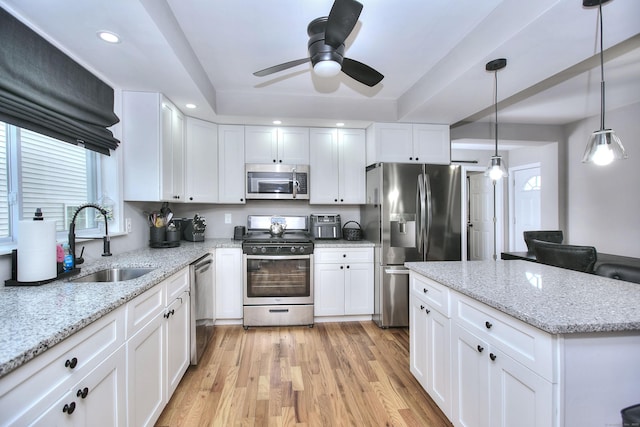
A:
[278, 257]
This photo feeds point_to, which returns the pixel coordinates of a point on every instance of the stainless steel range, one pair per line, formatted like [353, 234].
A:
[278, 265]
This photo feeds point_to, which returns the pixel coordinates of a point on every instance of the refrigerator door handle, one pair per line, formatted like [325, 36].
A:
[429, 215]
[396, 270]
[420, 208]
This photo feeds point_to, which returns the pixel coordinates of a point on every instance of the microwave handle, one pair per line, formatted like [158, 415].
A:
[295, 183]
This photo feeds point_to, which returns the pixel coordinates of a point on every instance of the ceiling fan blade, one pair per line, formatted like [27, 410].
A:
[280, 67]
[342, 18]
[361, 72]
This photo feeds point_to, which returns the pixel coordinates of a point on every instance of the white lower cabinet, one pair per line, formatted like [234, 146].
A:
[482, 367]
[78, 382]
[430, 352]
[495, 390]
[229, 282]
[158, 351]
[343, 281]
[97, 400]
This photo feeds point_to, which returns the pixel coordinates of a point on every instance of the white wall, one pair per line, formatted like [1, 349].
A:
[603, 203]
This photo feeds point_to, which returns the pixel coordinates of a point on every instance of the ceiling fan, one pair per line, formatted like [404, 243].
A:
[326, 46]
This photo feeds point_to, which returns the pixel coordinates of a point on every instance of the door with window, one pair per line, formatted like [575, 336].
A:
[526, 205]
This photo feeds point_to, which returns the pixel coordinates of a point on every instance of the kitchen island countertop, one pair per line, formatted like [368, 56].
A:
[555, 300]
[34, 318]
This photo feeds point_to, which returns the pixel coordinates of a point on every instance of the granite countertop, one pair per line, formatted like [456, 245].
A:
[555, 300]
[34, 318]
[341, 243]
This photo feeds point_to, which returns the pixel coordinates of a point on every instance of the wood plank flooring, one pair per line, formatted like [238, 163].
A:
[334, 374]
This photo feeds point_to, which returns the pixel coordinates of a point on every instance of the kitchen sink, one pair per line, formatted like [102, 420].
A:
[115, 274]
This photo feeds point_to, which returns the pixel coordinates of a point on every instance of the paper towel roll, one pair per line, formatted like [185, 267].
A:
[36, 251]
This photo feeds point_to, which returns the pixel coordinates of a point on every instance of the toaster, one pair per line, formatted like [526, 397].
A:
[325, 226]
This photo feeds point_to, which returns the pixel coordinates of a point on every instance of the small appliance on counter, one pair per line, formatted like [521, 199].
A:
[325, 226]
[239, 231]
[193, 229]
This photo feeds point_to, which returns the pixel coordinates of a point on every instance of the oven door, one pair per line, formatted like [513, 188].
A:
[271, 280]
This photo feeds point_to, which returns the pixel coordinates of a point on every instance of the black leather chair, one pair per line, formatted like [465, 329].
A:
[572, 257]
[554, 236]
[628, 273]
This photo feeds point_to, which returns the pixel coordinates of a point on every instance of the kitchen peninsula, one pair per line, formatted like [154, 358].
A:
[521, 343]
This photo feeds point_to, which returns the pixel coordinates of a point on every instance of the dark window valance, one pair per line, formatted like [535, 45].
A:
[44, 90]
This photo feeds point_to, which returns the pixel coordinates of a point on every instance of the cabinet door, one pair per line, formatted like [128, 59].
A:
[177, 341]
[293, 146]
[261, 144]
[201, 161]
[518, 395]
[418, 342]
[471, 379]
[146, 373]
[172, 146]
[358, 288]
[324, 166]
[229, 283]
[231, 151]
[102, 393]
[393, 142]
[432, 144]
[329, 289]
[439, 359]
[352, 182]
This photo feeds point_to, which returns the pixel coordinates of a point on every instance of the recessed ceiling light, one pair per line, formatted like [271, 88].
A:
[191, 106]
[109, 37]
[277, 122]
[340, 124]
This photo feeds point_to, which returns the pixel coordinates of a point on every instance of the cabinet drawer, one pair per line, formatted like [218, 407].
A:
[176, 285]
[431, 292]
[143, 308]
[524, 343]
[324, 255]
[41, 378]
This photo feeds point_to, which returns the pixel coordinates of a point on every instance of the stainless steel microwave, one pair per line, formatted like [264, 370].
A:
[278, 181]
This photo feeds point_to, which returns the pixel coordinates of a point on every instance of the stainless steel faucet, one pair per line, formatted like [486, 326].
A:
[106, 251]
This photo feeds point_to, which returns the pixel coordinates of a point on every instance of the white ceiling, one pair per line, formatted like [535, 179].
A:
[432, 54]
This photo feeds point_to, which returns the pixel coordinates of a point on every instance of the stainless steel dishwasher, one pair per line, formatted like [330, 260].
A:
[202, 305]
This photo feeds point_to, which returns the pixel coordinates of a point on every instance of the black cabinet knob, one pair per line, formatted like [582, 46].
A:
[425, 290]
[341, 267]
[190, 198]
[71, 363]
[82, 392]
[422, 307]
[417, 159]
[492, 356]
[480, 348]
[410, 158]
[488, 324]
[347, 266]
[428, 311]
[69, 408]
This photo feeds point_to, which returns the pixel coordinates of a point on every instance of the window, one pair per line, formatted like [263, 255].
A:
[37, 171]
[532, 184]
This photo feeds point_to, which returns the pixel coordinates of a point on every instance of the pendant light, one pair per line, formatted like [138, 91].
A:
[497, 167]
[604, 146]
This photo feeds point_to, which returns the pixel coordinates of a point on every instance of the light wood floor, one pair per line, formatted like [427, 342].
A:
[334, 374]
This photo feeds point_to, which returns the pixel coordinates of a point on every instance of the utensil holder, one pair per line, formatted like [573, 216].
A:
[157, 234]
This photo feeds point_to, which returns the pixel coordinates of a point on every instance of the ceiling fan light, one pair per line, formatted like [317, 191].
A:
[496, 169]
[327, 68]
[604, 147]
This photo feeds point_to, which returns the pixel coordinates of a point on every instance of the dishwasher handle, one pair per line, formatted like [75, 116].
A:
[396, 270]
[201, 266]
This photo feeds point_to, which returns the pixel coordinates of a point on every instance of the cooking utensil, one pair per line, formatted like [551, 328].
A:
[277, 228]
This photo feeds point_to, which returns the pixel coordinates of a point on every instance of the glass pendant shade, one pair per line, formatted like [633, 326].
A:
[327, 68]
[603, 147]
[497, 168]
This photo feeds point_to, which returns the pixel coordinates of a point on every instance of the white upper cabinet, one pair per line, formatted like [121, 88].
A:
[153, 145]
[408, 143]
[337, 166]
[201, 161]
[231, 164]
[284, 145]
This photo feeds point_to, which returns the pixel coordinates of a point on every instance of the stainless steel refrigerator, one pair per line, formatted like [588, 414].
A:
[412, 214]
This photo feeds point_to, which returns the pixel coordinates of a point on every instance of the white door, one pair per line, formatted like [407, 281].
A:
[526, 204]
[480, 225]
